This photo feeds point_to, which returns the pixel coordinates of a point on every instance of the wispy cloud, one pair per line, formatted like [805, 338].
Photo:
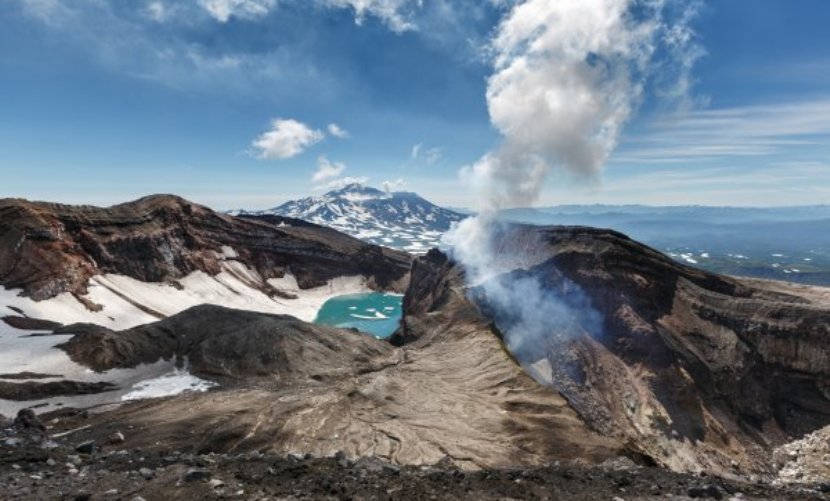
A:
[719, 134]
[342, 182]
[397, 14]
[337, 131]
[223, 10]
[390, 186]
[770, 184]
[327, 169]
[285, 139]
[430, 156]
[158, 11]
[171, 41]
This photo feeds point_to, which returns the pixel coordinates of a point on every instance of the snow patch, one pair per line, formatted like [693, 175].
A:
[173, 383]
[20, 352]
[229, 252]
[128, 302]
[688, 258]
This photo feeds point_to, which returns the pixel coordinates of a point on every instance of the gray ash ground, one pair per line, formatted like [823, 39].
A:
[33, 467]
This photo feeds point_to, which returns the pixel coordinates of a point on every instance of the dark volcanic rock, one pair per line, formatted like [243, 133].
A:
[31, 390]
[705, 492]
[29, 375]
[27, 422]
[272, 477]
[26, 323]
[288, 386]
[690, 369]
[47, 249]
[87, 447]
[222, 342]
[196, 475]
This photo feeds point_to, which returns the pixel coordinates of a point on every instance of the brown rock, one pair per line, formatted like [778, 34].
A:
[46, 248]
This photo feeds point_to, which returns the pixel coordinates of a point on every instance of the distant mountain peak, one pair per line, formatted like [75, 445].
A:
[402, 220]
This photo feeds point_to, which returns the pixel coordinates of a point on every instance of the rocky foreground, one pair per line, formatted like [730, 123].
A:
[95, 464]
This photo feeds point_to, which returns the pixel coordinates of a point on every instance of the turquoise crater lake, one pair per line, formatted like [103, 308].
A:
[374, 313]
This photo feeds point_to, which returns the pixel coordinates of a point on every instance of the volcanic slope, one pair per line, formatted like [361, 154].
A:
[144, 260]
[288, 386]
[689, 371]
[692, 371]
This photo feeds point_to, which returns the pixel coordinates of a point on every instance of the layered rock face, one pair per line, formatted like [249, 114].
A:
[288, 386]
[232, 346]
[47, 249]
[673, 366]
[689, 370]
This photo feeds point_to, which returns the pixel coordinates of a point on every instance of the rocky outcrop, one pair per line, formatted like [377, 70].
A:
[27, 323]
[690, 370]
[225, 344]
[47, 249]
[806, 460]
[31, 390]
[678, 368]
[288, 386]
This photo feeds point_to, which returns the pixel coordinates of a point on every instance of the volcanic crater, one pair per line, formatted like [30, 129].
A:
[680, 369]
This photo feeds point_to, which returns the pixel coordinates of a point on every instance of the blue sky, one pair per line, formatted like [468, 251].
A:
[248, 103]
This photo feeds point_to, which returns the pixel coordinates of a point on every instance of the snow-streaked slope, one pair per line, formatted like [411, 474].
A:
[400, 220]
[22, 352]
[127, 302]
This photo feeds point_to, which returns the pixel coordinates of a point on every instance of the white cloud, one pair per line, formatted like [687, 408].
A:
[157, 11]
[154, 40]
[287, 138]
[433, 155]
[342, 182]
[396, 14]
[223, 10]
[717, 134]
[337, 131]
[327, 169]
[430, 155]
[50, 12]
[390, 186]
[772, 184]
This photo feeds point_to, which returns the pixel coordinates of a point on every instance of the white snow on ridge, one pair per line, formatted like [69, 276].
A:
[21, 352]
[128, 302]
[688, 257]
[172, 383]
[400, 220]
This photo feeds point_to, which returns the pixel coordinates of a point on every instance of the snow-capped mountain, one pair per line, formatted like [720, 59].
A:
[401, 220]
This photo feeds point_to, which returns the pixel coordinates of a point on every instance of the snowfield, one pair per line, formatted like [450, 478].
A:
[22, 352]
[126, 303]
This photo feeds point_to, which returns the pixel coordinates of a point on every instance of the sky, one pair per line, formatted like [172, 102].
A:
[250, 103]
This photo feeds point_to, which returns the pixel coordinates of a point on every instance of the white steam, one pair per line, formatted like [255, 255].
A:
[568, 75]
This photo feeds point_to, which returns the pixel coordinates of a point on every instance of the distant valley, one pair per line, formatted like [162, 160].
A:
[786, 243]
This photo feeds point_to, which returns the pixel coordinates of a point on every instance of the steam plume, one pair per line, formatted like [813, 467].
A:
[568, 75]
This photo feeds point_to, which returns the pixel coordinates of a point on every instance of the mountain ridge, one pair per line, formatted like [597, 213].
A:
[403, 220]
[47, 249]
